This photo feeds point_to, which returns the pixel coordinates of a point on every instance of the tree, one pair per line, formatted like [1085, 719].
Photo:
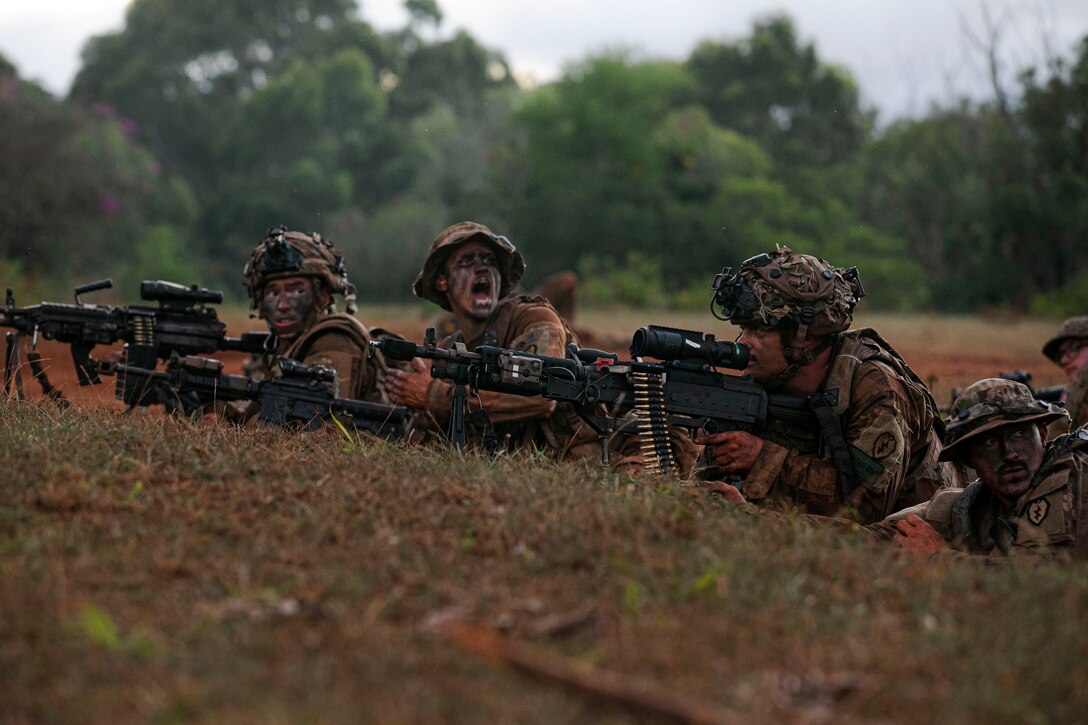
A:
[78, 195]
[993, 197]
[581, 175]
[773, 89]
[181, 68]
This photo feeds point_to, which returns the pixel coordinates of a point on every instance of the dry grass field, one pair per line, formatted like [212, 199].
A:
[155, 570]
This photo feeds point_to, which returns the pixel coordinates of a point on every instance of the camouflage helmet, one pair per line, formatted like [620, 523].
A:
[1073, 328]
[511, 263]
[785, 286]
[989, 404]
[283, 253]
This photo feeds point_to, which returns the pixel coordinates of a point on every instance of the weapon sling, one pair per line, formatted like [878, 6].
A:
[836, 443]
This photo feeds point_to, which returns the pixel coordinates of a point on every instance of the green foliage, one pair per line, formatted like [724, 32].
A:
[99, 627]
[694, 296]
[994, 202]
[1069, 301]
[200, 124]
[87, 192]
[771, 88]
[160, 254]
[636, 283]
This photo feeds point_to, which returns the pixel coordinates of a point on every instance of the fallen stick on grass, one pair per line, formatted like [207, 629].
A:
[638, 696]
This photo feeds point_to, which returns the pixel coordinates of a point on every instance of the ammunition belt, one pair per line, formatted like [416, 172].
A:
[653, 429]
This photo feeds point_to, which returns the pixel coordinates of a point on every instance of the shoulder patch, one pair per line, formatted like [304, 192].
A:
[884, 446]
[1037, 511]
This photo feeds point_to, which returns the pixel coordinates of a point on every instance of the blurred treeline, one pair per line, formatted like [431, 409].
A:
[203, 122]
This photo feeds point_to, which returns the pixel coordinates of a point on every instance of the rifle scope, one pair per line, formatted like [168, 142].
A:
[160, 291]
[670, 343]
[294, 369]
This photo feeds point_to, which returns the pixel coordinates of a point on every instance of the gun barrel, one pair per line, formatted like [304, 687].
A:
[393, 414]
[252, 342]
[1052, 394]
[400, 349]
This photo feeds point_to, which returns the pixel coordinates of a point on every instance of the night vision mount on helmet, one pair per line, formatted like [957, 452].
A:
[283, 253]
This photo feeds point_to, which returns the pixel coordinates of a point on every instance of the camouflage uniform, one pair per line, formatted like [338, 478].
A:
[530, 324]
[1076, 396]
[335, 340]
[889, 422]
[877, 449]
[1046, 517]
[1076, 399]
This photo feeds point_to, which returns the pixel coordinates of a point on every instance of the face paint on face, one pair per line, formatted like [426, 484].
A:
[472, 272]
[767, 359]
[1006, 458]
[287, 305]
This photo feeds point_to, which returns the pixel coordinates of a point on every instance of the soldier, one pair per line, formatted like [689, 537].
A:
[1030, 492]
[1069, 350]
[878, 440]
[291, 278]
[472, 272]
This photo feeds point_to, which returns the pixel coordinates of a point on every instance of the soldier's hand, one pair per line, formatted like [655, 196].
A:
[733, 451]
[409, 387]
[731, 493]
[918, 537]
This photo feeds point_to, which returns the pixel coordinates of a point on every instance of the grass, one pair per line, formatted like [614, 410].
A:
[156, 570]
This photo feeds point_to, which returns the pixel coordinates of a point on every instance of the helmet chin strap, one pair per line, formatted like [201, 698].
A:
[793, 351]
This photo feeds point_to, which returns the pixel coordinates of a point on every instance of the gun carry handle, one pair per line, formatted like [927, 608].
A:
[92, 287]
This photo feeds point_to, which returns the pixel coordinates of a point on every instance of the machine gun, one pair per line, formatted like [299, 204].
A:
[683, 390]
[303, 397]
[1052, 394]
[180, 323]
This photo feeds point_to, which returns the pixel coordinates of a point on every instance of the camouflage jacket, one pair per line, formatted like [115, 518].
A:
[891, 428]
[337, 341]
[1076, 399]
[530, 324]
[1045, 519]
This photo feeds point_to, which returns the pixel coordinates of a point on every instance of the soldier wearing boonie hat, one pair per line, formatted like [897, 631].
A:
[292, 279]
[472, 272]
[876, 449]
[1069, 351]
[1029, 495]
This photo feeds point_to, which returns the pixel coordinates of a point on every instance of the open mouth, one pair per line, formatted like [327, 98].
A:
[481, 291]
[283, 322]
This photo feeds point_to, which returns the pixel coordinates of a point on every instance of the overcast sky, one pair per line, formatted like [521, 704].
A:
[904, 53]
